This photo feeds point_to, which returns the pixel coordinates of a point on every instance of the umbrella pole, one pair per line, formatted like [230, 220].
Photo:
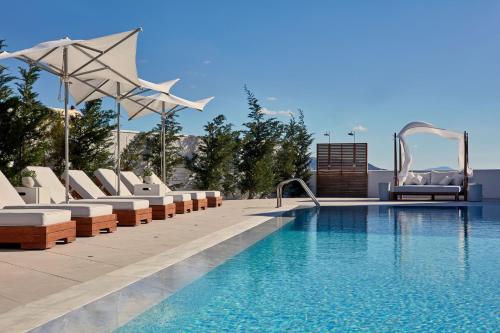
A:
[66, 125]
[163, 166]
[118, 164]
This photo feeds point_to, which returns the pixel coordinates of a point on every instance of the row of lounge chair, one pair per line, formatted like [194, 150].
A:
[91, 209]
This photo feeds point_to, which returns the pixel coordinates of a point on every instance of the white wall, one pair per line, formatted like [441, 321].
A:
[489, 178]
[378, 176]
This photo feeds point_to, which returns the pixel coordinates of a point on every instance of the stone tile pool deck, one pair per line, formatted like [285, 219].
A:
[31, 279]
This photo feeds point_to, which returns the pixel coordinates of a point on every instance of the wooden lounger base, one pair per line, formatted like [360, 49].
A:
[214, 201]
[399, 195]
[182, 207]
[162, 212]
[132, 218]
[200, 204]
[92, 226]
[38, 237]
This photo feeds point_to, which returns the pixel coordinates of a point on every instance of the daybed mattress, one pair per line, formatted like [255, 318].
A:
[427, 189]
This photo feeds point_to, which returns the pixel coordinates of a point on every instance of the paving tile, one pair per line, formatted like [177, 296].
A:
[24, 285]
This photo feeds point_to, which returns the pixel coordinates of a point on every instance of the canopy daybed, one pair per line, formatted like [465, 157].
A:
[429, 183]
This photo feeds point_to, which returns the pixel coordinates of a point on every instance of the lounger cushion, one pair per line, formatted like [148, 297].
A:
[193, 195]
[8, 194]
[83, 185]
[77, 209]
[212, 194]
[446, 180]
[109, 180]
[33, 217]
[152, 199]
[46, 178]
[119, 204]
[409, 179]
[179, 197]
[426, 177]
[458, 179]
[424, 189]
[129, 179]
[438, 176]
[157, 180]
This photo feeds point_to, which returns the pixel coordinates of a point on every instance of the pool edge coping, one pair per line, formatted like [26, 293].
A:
[34, 315]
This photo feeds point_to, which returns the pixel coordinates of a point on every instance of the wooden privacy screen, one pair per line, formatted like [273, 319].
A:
[342, 170]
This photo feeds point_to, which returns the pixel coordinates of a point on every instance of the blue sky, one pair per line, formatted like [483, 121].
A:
[375, 64]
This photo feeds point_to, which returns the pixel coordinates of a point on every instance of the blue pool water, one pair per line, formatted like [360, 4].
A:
[411, 269]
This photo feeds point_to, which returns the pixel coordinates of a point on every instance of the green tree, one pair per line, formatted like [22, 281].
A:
[258, 151]
[173, 156]
[294, 155]
[213, 163]
[24, 126]
[5, 79]
[286, 155]
[132, 157]
[304, 141]
[90, 140]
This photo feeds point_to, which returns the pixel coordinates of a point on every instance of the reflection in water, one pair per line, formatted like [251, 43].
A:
[431, 221]
[409, 269]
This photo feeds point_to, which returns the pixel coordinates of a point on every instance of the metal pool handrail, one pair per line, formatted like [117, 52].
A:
[279, 191]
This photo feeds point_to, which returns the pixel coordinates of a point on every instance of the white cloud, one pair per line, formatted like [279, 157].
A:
[207, 62]
[272, 98]
[360, 128]
[286, 113]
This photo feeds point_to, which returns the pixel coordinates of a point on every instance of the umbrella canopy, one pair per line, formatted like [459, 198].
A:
[88, 90]
[110, 57]
[122, 92]
[138, 106]
[161, 103]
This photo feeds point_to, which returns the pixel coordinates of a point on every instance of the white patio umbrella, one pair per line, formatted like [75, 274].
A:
[121, 91]
[110, 57]
[162, 104]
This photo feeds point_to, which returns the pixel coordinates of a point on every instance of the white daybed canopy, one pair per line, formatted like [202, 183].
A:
[78, 61]
[423, 127]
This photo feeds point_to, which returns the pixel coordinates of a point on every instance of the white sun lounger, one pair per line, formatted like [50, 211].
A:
[134, 185]
[129, 212]
[81, 184]
[36, 229]
[109, 181]
[214, 198]
[90, 218]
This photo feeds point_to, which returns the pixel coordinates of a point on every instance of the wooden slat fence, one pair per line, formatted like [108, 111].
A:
[342, 170]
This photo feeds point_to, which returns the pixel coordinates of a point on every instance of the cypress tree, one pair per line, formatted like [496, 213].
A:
[304, 141]
[213, 163]
[91, 138]
[258, 151]
[132, 157]
[5, 79]
[294, 155]
[24, 125]
[286, 156]
[173, 156]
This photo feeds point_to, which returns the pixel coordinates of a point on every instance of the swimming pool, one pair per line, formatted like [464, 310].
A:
[347, 269]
